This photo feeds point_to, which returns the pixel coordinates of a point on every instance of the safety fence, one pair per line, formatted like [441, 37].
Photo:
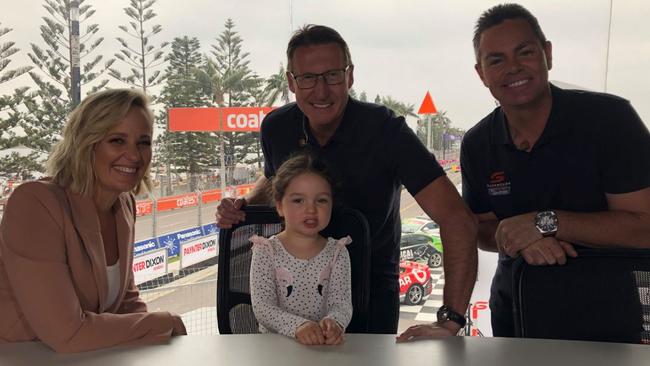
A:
[192, 199]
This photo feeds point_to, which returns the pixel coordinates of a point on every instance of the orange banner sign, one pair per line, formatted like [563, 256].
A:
[211, 195]
[143, 208]
[193, 119]
[243, 119]
[180, 201]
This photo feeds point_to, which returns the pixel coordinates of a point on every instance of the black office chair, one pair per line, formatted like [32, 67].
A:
[602, 295]
[234, 309]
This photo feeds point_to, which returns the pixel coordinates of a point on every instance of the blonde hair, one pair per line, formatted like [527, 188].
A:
[71, 163]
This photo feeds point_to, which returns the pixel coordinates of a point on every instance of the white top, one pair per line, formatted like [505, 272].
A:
[287, 291]
[113, 276]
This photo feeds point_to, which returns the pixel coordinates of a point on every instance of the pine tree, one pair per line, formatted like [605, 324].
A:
[11, 115]
[363, 96]
[51, 103]
[11, 136]
[233, 84]
[55, 61]
[8, 49]
[187, 152]
[143, 59]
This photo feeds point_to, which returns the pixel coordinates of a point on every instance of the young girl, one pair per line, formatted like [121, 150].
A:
[300, 281]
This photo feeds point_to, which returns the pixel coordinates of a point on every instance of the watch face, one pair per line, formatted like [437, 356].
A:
[446, 313]
[546, 222]
[442, 315]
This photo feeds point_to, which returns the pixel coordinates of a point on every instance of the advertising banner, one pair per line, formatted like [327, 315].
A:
[199, 250]
[243, 189]
[145, 246]
[143, 207]
[180, 201]
[149, 266]
[193, 119]
[242, 119]
[210, 229]
[212, 195]
[172, 241]
[480, 311]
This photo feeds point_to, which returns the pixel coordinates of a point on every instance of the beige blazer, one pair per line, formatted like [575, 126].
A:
[53, 282]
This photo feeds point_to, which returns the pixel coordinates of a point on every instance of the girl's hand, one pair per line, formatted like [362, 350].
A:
[310, 333]
[332, 331]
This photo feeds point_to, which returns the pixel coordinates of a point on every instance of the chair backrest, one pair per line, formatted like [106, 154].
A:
[234, 311]
[351, 222]
[602, 295]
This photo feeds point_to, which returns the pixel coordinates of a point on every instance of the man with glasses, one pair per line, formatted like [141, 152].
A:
[371, 152]
[549, 166]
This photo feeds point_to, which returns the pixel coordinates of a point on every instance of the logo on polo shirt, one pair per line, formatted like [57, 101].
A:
[498, 184]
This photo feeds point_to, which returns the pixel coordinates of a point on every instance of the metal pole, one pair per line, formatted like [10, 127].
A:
[290, 16]
[609, 37]
[170, 190]
[429, 129]
[75, 74]
[443, 144]
[223, 164]
[163, 179]
[199, 194]
[154, 213]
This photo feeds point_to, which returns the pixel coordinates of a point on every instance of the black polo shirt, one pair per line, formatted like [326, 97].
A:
[371, 154]
[592, 144]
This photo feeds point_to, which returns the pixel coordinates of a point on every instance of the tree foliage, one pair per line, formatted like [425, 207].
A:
[50, 102]
[186, 152]
[12, 115]
[400, 108]
[55, 59]
[440, 124]
[277, 87]
[7, 49]
[143, 59]
[232, 83]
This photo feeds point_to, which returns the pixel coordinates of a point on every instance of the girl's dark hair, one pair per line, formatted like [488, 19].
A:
[296, 165]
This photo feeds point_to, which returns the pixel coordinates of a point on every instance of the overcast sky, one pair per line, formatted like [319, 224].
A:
[399, 48]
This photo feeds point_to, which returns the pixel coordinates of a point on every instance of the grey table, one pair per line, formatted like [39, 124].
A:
[359, 350]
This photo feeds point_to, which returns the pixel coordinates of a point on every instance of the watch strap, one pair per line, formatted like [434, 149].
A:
[446, 313]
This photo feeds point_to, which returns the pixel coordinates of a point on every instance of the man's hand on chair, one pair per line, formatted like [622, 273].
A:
[229, 212]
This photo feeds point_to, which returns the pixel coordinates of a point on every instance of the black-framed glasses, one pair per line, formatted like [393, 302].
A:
[331, 77]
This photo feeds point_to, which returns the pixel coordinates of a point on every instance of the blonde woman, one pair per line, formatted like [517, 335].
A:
[66, 242]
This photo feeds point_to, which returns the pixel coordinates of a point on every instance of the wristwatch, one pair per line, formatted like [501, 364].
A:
[446, 313]
[546, 222]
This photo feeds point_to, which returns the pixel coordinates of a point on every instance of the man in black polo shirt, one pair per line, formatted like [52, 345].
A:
[371, 153]
[549, 166]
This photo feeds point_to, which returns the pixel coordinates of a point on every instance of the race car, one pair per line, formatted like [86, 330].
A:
[414, 282]
[421, 247]
[420, 224]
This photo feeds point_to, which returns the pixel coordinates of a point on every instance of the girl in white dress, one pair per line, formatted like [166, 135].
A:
[300, 281]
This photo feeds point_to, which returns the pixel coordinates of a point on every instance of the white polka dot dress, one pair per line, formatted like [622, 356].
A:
[287, 291]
